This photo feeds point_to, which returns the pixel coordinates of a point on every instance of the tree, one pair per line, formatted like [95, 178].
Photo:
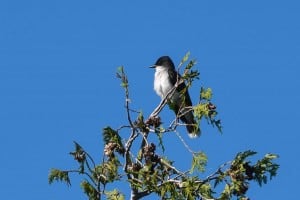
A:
[148, 172]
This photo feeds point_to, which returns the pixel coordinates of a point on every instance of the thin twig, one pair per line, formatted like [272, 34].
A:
[80, 172]
[92, 160]
[162, 103]
[121, 127]
[170, 166]
[218, 171]
[184, 143]
[127, 106]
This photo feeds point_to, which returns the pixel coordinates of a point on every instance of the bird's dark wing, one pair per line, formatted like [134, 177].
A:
[173, 75]
[187, 118]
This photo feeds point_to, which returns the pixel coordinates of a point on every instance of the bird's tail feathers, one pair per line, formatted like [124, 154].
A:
[193, 130]
[191, 125]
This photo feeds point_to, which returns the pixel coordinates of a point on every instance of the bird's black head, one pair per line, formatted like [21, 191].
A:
[164, 61]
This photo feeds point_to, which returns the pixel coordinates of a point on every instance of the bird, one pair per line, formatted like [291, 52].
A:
[165, 78]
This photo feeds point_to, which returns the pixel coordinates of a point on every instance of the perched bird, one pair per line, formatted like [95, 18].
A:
[164, 80]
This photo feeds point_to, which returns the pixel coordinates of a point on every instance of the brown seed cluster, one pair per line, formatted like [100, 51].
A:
[149, 153]
[153, 121]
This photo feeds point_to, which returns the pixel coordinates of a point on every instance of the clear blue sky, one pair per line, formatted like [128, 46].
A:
[57, 82]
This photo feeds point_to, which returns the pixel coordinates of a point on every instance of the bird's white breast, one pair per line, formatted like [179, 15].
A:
[162, 84]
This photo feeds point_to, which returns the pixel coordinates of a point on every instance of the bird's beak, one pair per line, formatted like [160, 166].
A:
[152, 66]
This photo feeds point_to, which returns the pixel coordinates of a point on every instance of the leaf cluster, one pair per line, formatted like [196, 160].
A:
[241, 171]
[149, 172]
[59, 175]
[206, 109]
[96, 177]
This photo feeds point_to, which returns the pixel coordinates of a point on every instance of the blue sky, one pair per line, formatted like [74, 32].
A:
[57, 81]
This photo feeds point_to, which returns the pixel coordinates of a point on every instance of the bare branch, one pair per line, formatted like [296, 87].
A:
[163, 162]
[184, 143]
[162, 103]
[215, 174]
[127, 149]
[165, 100]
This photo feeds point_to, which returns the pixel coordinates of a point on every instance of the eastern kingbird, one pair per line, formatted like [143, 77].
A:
[164, 80]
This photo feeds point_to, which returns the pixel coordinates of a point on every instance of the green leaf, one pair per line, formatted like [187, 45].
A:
[185, 58]
[90, 190]
[199, 162]
[107, 172]
[201, 110]
[140, 123]
[114, 195]
[121, 75]
[160, 140]
[112, 136]
[205, 94]
[217, 123]
[206, 191]
[241, 156]
[58, 175]
[270, 156]
[263, 166]
[189, 66]
[80, 155]
[120, 69]
[226, 194]
[78, 148]
[168, 191]
[190, 75]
